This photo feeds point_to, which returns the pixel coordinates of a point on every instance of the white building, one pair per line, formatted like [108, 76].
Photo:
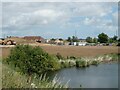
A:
[82, 43]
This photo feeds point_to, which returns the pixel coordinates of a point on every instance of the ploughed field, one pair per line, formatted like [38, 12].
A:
[77, 51]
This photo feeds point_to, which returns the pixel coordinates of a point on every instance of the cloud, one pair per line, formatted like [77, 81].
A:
[115, 18]
[92, 9]
[98, 22]
[26, 16]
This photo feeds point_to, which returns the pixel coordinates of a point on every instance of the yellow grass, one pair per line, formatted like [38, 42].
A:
[77, 51]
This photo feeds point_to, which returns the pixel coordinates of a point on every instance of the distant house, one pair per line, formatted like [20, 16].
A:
[82, 40]
[59, 42]
[82, 43]
[35, 38]
[47, 40]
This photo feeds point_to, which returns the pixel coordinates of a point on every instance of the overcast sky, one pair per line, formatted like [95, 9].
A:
[59, 19]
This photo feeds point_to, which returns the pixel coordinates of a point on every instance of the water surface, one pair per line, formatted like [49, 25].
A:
[101, 76]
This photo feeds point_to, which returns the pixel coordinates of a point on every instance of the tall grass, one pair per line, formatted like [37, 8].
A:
[87, 61]
[14, 79]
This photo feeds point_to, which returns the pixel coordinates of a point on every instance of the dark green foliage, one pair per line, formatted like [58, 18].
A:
[103, 38]
[89, 40]
[32, 59]
[118, 44]
[115, 38]
[95, 62]
[65, 64]
[81, 63]
[69, 39]
[73, 39]
[95, 40]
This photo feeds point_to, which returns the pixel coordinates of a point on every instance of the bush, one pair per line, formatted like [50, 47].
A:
[32, 59]
[64, 64]
[81, 63]
[95, 63]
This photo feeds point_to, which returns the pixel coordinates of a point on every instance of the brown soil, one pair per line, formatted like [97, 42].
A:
[71, 50]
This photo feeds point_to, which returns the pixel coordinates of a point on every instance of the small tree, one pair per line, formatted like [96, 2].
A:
[103, 38]
[32, 60]
[69, 39]
[89, 40]
[95, 40]
[75, 39]
[110, 40]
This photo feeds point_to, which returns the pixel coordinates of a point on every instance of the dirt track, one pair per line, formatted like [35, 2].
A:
[72, 50]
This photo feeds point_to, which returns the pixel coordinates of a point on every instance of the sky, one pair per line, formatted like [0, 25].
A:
[59, 19]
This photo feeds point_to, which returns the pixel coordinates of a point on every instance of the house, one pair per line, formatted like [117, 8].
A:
[35, 38]
[73, 43]
[59, 42]
[81, 43]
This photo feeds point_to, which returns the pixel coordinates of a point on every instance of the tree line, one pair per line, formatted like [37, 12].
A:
[102, 38]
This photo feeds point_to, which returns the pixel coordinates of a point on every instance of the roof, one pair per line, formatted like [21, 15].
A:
[33, 37]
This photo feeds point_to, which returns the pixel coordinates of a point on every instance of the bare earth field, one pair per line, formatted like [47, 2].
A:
[65, 51]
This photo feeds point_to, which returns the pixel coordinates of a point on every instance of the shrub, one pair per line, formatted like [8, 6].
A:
[32, 59]
[95, 63]
[64, 64]
[81, 63]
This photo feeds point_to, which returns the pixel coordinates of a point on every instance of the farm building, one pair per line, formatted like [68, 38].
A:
[59, 42]
[82, 43]
[35, 38]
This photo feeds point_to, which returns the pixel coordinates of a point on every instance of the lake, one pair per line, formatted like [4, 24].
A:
[101, 76]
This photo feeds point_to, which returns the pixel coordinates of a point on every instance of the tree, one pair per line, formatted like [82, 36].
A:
[75, 39]
[103, 38]
[60, 39]
[53, 39]
[89, 40]
[69, 39]
[32, 60]
[95, 40]
[110, 40]
[115, 39]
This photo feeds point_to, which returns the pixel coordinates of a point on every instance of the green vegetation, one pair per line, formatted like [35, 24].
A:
[32, 60]
[103, 38]
[85, 61]
[94, 62]
[25, 64]
[89, 40]
[81, 63]
[24, 67]
[14, 79]
[73, 39]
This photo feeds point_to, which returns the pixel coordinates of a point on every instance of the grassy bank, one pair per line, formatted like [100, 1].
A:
[25, 64]
[87, 61]
[14, 79]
